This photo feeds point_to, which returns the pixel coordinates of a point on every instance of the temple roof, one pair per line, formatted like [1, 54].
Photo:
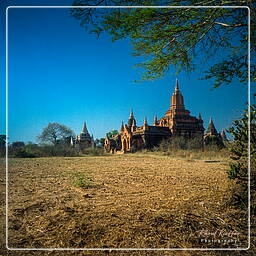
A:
[145, 121]
[177, 85]
[131, 114]
[211, 128]
[131, 119]
[177, 100]
[155, 120]
[122, 127]
[223, 135]
[84, 130]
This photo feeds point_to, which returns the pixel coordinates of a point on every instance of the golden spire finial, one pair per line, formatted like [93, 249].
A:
[145, 121]
[131, 112]
[177, 85]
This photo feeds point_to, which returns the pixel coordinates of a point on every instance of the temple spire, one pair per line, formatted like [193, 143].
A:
[133, 128]
[223, 135]
[131, 113]
[155, 120]
[122, 127]
[145, 125]
[84, 128]
[145, 121]
[131, 119]
[177, 85]
[199, 116]
[211, 128]
[177, 100]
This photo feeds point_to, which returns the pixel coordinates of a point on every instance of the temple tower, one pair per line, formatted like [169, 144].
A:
[155, 121]
[179, 120]
[84, 139]
[212, 137]
[131, 120]
[122, 127]
[177, 106]
[211, 130]
[177, 100]
[223, 135]
[145, 125]
[84, 135]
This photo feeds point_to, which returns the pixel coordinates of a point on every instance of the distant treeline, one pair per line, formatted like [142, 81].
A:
[31, 150]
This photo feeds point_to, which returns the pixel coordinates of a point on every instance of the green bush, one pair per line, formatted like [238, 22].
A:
[180, 143]
[238, 169]
[82, 181]
[93, 151]
[195, 143]
[22, 153]
[33, 150]
[58, 150]
[163, 146]
[214, 141]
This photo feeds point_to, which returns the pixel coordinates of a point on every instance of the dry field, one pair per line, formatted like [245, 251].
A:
[121, 201]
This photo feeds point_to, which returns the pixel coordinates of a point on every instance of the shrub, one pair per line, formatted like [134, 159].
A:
[134, 149]
[34, 150]
[58, 150]
[238, 169]
[180, 143]
[195, 143]
[214, 141]
[82, 181]
[22, 153]
[93, 151]
[163, 146]
[18, 144]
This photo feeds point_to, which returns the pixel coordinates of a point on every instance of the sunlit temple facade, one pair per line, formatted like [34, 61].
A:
[176, 122]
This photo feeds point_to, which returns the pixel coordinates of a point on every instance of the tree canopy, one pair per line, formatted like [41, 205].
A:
[182, 38]
[55, 133]
[112, 133]
[2, 140]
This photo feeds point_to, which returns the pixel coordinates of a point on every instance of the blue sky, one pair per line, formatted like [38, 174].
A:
[58, 72]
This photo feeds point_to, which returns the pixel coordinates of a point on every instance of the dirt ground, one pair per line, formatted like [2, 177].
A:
[121, 201]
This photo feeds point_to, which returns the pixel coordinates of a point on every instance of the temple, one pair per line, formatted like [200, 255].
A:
[176, 122]
[83, 140]
[211, 135]
[179, 120]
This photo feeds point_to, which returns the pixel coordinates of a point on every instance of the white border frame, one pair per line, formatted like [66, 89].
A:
[134, 249]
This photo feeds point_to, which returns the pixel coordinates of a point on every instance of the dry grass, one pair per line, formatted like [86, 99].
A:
[133, 200]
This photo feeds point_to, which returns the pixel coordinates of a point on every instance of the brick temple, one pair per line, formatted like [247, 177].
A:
[83, 140]
[176, 122]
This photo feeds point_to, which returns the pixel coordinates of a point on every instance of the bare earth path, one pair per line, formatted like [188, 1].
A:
[128, 201]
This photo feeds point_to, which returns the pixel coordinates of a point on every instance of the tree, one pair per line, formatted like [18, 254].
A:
[2, 145]
[175, 37]
[2, 140]
[102, 141]
[18, 144]
[55, 133]
[112, 133]
[239, 167]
